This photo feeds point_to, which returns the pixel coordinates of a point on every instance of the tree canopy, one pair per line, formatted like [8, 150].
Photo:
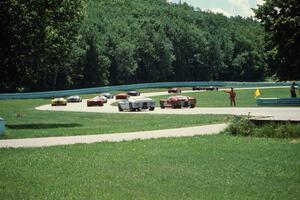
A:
[72, 44]
[282, 20]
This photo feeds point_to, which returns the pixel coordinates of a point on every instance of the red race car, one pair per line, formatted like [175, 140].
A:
[178, 102]
[122, 96]
[96, 101]
[174, 90]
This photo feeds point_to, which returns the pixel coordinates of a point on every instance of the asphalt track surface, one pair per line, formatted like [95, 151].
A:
[116, 137]
[281, 113]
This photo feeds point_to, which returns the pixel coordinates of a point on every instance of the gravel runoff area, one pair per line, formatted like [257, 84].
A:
[117, 137]
[270, 113]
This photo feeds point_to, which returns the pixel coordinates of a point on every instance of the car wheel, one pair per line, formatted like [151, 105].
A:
[161, 105]
[192, 106]
[130, 107]
[151, 108]
[119, 107]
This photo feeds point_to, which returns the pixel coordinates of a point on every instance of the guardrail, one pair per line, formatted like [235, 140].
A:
[278, 101]
[62, 93]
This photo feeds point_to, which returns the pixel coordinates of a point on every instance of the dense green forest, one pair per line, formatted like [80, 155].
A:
[281, 20]
[50, 45]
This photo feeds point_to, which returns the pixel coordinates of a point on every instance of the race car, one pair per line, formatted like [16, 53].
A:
[122, 96]
[96, 101]
[74, 99]
[205, 88]
[174, 90]
[136, 104]
[133, 93]
[103, 98]
[107, 95]
[178, 102]
[58, 102]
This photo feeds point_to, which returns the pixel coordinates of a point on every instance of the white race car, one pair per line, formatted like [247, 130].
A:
[136, 104]
[74, 99]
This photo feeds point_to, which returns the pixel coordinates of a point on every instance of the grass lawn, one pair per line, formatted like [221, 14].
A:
[35, 123]
[207, 167]
[244, 98]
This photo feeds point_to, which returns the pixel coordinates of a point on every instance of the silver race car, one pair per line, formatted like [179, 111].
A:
[136, 104]
[107, 95]
[74, 98]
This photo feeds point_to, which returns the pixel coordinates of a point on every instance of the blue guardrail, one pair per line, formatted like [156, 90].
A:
[278, 101]
[63, 93]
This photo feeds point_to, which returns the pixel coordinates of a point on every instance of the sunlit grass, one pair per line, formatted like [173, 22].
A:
[207, 167]
[244, 98]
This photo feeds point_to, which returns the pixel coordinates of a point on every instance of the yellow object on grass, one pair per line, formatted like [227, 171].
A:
[257, 93]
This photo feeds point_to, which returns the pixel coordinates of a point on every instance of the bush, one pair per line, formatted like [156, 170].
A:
[241, 126]
[245, 127]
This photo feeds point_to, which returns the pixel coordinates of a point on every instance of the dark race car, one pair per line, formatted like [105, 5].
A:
[133, 93]
[122, 96]
[205, 88]
[178, 102]
[96, 101]
[174, 90]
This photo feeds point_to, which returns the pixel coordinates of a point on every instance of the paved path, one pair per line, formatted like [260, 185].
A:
[66, 140]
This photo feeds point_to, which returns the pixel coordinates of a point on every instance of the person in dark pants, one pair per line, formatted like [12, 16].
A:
[293, 90]
[232, 96]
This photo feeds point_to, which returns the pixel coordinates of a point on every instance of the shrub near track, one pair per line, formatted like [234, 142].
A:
[245, 127]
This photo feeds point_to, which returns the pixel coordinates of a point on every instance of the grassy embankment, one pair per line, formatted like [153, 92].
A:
[207, 167]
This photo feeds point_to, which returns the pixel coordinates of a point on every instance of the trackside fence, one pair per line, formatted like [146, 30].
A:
[63, 93]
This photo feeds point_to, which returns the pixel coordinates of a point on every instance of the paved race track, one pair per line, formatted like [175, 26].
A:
[275, 113]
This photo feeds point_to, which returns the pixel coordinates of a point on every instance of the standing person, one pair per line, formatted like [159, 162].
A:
[293, 90]
[232, 96]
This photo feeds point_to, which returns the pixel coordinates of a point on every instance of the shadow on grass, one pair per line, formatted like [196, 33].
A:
[41, 126]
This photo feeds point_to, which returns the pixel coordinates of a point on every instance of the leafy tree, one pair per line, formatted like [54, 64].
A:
[282, 20]
[51, 44]
[36, 41]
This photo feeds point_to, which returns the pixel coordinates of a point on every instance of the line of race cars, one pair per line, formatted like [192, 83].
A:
[130, 102]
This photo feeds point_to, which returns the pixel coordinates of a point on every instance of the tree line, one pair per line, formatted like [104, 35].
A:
[54, 44]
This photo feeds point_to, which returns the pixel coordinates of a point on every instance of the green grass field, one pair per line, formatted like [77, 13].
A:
[35, 123]
[207, 167]
[244, 98]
